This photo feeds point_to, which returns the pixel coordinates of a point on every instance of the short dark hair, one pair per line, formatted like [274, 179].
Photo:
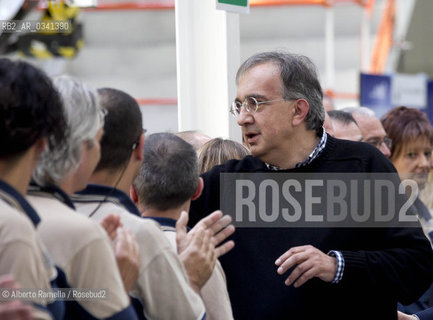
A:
[298, 79]
[123, 127]
[341, 116]
[404, 124]
[169, 174]
[30, 108]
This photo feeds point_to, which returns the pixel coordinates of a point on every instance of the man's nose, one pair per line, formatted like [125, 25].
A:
[385, 150]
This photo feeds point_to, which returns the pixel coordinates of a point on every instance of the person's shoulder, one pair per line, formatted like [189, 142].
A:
[14, 225]
[425, 314]
[368, 156]
[61, 220]
[49, 206]
[247, 164]
[150, 232]
[346, 146]
[146, 231]
[109, 207]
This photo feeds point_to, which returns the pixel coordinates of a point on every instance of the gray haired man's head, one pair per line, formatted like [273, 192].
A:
[84, 118]
[362, 111]
[299, 81]
[345, 126]
[169, 174]
[371, 128]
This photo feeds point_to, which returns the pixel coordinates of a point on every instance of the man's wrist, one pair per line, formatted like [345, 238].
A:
[340, 265]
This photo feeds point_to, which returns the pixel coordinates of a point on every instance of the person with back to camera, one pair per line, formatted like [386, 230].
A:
[167, 183]
[31, 120]
[165, 274]
[79, 246]
[218, 151]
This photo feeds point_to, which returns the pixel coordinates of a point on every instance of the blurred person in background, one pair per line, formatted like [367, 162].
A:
[411, 154]
[194, 138]
[328, 125]
[218, 151]
[371, 128]
[345, 126]
[328, 103]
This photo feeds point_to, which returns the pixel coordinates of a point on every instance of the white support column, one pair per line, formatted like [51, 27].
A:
[365, 41]
[330, 49]
[207, 55]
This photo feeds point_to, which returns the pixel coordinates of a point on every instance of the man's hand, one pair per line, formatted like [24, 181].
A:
[199, 259]
[310, 262]
[403, 316]
[15, 309]
[196, 248]
[110, 224]
[218, 225]
[127, 256]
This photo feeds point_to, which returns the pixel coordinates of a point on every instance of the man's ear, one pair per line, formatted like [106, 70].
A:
[40, 146]
[133, 194]
[138, 151]
[199, 189]
[300, 111]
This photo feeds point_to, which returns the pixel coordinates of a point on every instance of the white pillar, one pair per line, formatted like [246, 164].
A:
[365, 41]
[207, 56]
[329, 49]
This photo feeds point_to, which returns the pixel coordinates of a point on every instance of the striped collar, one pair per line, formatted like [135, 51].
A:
[50, 191]
[313, 155]
[100, 193]
[13, 198]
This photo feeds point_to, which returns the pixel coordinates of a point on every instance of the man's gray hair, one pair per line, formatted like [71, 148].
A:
[84, 118]
[299, 81]
[364, 111]
[169, 174]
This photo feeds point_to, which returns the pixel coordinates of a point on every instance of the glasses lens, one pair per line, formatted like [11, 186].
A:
[251, 104]
[388, 142]
[375, 142]
[235, 108]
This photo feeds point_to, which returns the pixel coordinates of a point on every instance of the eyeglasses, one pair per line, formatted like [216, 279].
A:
[378, 142]
[250, 103]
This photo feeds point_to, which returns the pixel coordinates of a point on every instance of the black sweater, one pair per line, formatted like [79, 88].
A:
[382, 266]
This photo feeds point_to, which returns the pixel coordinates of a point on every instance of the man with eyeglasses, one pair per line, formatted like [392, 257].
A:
[299, 272]
[371, 129]
[344, 125]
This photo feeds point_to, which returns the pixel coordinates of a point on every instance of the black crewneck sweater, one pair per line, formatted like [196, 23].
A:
[382, 265]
